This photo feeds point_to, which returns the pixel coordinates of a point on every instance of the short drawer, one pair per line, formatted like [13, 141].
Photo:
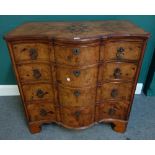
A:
[121, 50]
[77, 117]
[38, 92]
[114, 90]
[41, 111]
[77, 97]
[31, 51]
[77, 56]
[34, 72]
[118, 71]
[77, 77]
[113, 110]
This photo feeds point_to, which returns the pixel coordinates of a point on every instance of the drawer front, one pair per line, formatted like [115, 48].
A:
[77, 97]
[31, 51]
[76, 55]
[115, 110]
[41, 111]
[34, 72]
[122, 50]
[117, 70]
[38, 92]
[75, 77]
[77, 117]
[112, 91]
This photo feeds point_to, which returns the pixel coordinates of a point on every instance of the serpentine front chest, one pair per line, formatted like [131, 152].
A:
[77, 73]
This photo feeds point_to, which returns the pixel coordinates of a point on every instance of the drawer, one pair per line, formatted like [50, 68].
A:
[37, 92]
[77, 56]
[31, 51]
[34, 72]
[113, 110]
[122, 50]
[77, 97]
[118, 70]
[41, 111]
[112, 91]
[76, 77]
[74, 117]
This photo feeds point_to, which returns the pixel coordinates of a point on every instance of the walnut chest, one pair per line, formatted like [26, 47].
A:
[77, 74]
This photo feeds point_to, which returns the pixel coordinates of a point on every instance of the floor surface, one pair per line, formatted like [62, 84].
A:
[141, 125]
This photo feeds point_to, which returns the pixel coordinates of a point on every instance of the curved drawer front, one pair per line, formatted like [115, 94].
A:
[115, 110]
[77, 97]
[31, 51]
[74, 117]
[76, 77]
[34, 72]
[122, 50]
[38, 92]
[117, 70]
[41, 111]
[76, 56]
[112, 91]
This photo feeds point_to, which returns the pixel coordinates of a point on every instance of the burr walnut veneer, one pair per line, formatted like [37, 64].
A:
[77, 73]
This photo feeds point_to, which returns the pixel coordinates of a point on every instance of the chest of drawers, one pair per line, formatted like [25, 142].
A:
[77, 74]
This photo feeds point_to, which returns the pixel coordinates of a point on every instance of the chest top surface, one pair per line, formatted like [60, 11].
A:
[76, 30]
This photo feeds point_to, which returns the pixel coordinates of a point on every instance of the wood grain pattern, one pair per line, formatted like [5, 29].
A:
[71, 30]
[77, 96]
[34, 72]
[22, 51]
[114, 91]
[130, 50]
[77, 77]
[77, 56]
[118, 71]
[77, 73]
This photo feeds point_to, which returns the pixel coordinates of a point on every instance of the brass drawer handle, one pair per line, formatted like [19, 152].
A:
[36, 73]
[40, 93]
[76, 51]
[114, 93]
[77, 114]
[117, 73]
[43, 112]
[111, 111]
[120, 52]
[77, 93]
[76, 73]
[33, 53]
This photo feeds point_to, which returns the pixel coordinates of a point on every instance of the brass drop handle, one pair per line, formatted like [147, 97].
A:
[77, 114]
[40, 93]
[43, 112]
[36, 73]
[111, 111]
[33, 53]
[76, 51]
[120, 52]
[76, 73]
[117, 73]
[77, 93]
[114, 93]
